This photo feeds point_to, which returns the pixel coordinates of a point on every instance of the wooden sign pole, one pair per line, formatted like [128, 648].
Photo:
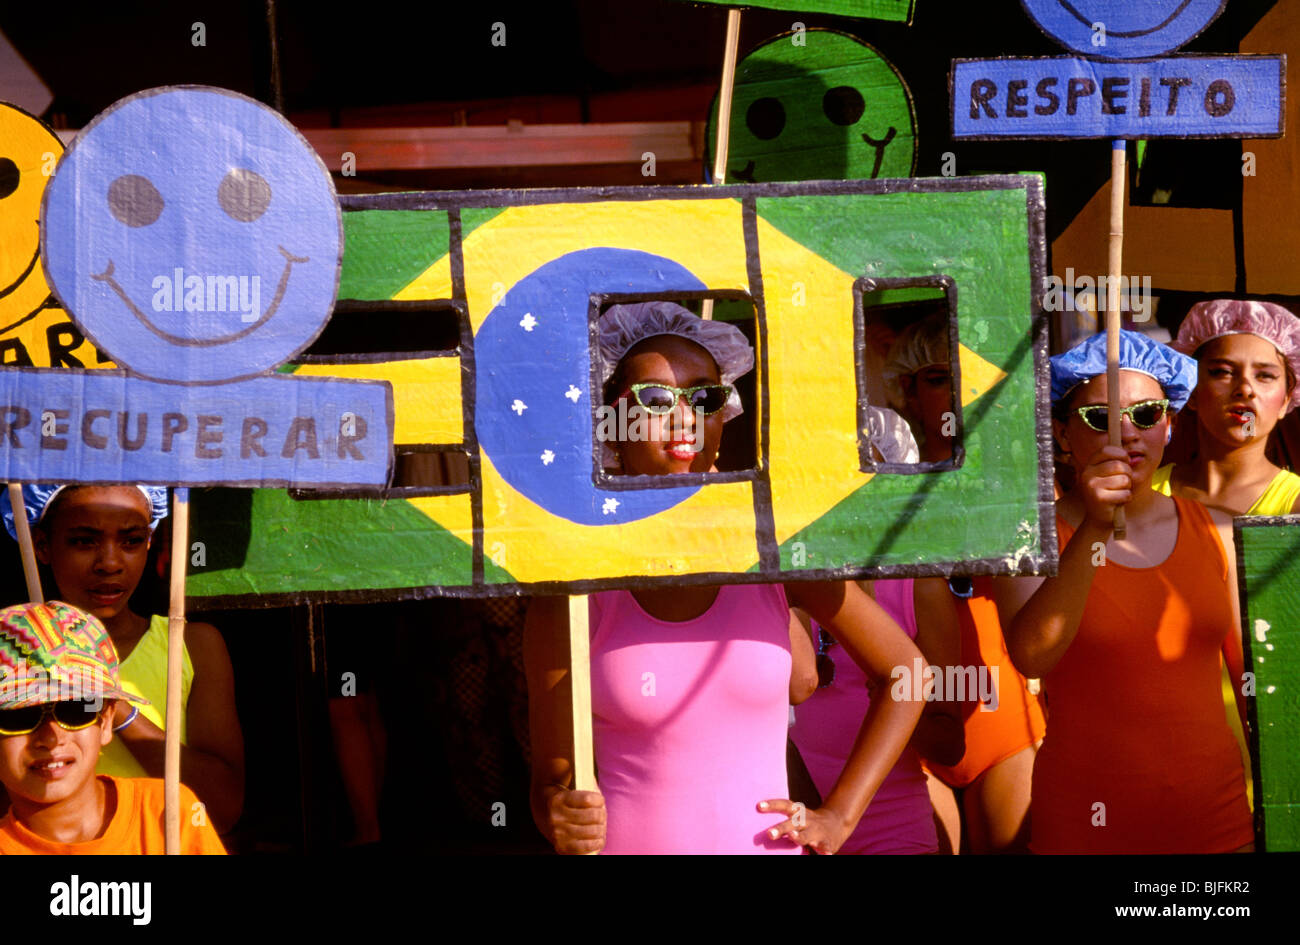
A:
[725, 97]
[34, 593]
[175, 664]
[584, 764]
[584, 768]
[1114, 265]
[724, 115]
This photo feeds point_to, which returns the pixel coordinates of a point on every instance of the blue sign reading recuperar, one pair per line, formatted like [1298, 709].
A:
[1178, 96]
[104, 426]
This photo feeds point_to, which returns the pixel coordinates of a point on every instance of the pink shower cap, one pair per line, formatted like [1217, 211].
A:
[1268, 320]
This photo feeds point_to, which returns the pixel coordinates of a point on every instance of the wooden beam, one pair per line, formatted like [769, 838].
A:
[512, 145]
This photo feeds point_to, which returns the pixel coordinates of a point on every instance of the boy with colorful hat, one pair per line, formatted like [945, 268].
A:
[58, 688]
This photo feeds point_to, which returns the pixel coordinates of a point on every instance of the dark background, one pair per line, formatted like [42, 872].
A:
[568, 61]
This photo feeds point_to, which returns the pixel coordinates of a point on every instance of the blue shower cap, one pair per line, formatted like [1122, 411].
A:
[1175, 372]
[38, 496]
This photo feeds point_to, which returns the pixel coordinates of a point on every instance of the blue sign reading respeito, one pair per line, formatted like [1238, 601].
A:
[195, 237]
[1120, 90]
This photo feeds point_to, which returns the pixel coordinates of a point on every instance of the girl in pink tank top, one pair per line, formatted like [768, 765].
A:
[689, 719]
[900, 818]
[690, 685]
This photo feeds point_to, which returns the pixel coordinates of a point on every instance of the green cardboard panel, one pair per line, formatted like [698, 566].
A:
[897, 10]
[1268, 574]
[817, 105]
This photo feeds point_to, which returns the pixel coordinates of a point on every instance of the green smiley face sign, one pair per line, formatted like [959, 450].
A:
[817, 105]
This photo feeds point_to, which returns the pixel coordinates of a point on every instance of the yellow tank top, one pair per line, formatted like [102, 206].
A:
[144, 673]
[1277, 499]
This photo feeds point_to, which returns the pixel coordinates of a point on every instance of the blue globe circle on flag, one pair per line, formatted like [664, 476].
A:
[533, 410]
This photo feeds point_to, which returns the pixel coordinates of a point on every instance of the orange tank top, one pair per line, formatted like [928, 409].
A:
[1138, 756]
[991, 736]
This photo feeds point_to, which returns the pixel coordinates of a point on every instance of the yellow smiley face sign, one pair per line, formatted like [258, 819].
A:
[33, 329]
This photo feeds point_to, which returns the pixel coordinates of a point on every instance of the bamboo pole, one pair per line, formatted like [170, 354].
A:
[720, 147]
[584, 765]
[1114, 265]
[175, 663]
[34, 592]
[725, 96]
[584, 768]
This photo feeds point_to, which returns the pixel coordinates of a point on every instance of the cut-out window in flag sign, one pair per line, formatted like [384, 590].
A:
[1120, 89]
[195, 238]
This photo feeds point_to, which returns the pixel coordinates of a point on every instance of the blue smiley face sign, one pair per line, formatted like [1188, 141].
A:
[1123, 29]
[196, 239]
[205, 232]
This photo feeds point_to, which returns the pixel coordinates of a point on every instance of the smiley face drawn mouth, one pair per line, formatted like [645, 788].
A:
[880, 148]
[1126, 34]
[746, 173]
[22, 276]
[13, 286]
[289, 260]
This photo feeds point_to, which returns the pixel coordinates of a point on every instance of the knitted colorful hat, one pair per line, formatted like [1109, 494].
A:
[53, 652]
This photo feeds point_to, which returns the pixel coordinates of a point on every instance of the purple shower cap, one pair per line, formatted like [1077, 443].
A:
[1268, 320]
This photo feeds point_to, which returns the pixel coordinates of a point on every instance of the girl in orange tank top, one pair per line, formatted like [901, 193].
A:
[1138, 757]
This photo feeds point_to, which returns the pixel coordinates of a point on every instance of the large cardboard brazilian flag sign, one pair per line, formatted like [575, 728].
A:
[1268, 572]
[195, 242]
[526, 274]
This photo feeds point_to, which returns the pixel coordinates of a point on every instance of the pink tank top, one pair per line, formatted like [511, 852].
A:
[689, 721]
[899, 818]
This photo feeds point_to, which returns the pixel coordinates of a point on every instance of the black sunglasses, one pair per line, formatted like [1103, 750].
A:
[72, 716]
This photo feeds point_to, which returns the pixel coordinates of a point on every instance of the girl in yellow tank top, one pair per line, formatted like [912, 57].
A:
[1280, 498]
[1248, 359]
[144, 673]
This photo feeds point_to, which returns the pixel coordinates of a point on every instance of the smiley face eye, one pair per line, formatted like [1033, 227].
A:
[244, 195]
[134, 200]
[765, 118]
[8, 177]
[843, 105]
